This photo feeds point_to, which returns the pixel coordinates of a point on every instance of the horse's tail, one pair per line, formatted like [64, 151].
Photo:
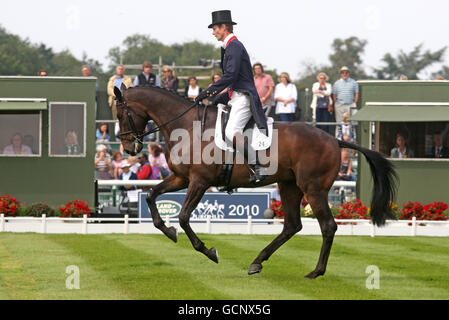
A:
[385, 181]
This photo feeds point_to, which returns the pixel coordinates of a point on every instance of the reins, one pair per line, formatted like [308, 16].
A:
[138, 136]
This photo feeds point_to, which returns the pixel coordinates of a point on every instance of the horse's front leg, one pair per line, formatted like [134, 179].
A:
[194, 194]
[172, 183]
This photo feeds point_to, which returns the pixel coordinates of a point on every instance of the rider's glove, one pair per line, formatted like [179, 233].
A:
[203, 95]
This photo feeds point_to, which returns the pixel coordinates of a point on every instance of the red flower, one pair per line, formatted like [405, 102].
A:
[75, 208]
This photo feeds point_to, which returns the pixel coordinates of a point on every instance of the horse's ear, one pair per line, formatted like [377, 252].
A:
[123, 88]
[118, 94]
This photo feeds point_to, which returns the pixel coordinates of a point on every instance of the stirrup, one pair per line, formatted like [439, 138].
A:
[257, 176]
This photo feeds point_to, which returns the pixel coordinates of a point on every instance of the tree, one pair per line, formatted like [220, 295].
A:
[348, 52]
[410, 64]
[345, 52]
[21, 57]
[139, 48]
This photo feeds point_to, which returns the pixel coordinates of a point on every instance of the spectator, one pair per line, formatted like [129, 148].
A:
[275, 194]
[102, 133]
[401, 151]
[16, 147]
[85, 71]
[149, 137]
[192, 90]
[321, 102]
[345, 173]
[346, 94]
[42, 73]
[438, 149]
[116, 81]
[28, 140]
[103, 164]
[117, 159]
[134, 164]
[285, 95]
[147, 171]
[157, 158]
[215, 77]
[264, 84]
[346, 131]
[127, 175]
[403, 77]
[71, 146]
[146, 78]
[170, 82]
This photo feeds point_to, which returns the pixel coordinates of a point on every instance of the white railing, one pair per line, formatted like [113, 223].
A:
[90, 225]
[152, 183]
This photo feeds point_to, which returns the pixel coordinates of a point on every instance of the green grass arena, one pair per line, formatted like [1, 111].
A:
[33, 266]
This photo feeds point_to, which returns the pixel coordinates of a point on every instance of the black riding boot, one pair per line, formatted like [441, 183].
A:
[257, 174]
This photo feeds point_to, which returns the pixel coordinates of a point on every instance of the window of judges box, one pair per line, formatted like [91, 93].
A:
[67, 129]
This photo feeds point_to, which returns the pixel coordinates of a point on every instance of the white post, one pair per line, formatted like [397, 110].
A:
[126, 225]
[2, 222]
[414, 226]
[351, 229]
[373, 230]
[84, 228]
[208, 224]
[167, 221]
[249, 228]
[44, 224]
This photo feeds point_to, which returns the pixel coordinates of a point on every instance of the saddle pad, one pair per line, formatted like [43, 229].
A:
[259, 141]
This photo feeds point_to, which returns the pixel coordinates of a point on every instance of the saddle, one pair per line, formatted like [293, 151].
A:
[256, 139]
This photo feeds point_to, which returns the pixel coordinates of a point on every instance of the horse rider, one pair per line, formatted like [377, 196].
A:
[238, 78]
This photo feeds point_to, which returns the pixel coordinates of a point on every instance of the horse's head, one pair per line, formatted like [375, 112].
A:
[132, 122]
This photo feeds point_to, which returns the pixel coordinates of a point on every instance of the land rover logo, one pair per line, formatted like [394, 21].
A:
[168, 208]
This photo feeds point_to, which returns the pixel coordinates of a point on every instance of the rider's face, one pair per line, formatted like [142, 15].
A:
[220, 32]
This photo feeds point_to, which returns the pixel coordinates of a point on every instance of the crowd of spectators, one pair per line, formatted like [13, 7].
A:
[330, 102]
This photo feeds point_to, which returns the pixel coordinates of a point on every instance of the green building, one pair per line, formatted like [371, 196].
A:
[418, 111]
[47, 141]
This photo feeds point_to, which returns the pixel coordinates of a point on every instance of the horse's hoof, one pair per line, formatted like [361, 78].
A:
[313, 275]
[213, 255]
[172, 233]
[254, 268]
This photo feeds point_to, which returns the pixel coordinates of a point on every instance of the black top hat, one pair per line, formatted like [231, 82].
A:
[221, 17]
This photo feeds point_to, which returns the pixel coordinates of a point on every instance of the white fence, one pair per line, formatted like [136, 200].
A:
[152, 183]
[126, 225]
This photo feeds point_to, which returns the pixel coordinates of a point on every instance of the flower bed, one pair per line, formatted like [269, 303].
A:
[276, 206]
[356, 210]
[11, 207]
[352, 210]
[75, 209]
[8, 205]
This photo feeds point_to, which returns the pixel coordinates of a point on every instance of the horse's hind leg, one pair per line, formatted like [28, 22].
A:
[194, 194]
[291, 197]
[172, 183]
[320, 207]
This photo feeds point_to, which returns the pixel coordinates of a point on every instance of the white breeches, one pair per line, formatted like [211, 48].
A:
[239, 116]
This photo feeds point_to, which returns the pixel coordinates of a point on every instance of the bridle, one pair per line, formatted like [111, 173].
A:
[138, 136]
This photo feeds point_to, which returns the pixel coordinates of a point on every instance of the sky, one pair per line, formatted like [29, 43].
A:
[282, 35]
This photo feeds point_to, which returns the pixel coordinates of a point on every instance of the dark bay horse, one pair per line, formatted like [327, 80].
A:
[308, 164]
